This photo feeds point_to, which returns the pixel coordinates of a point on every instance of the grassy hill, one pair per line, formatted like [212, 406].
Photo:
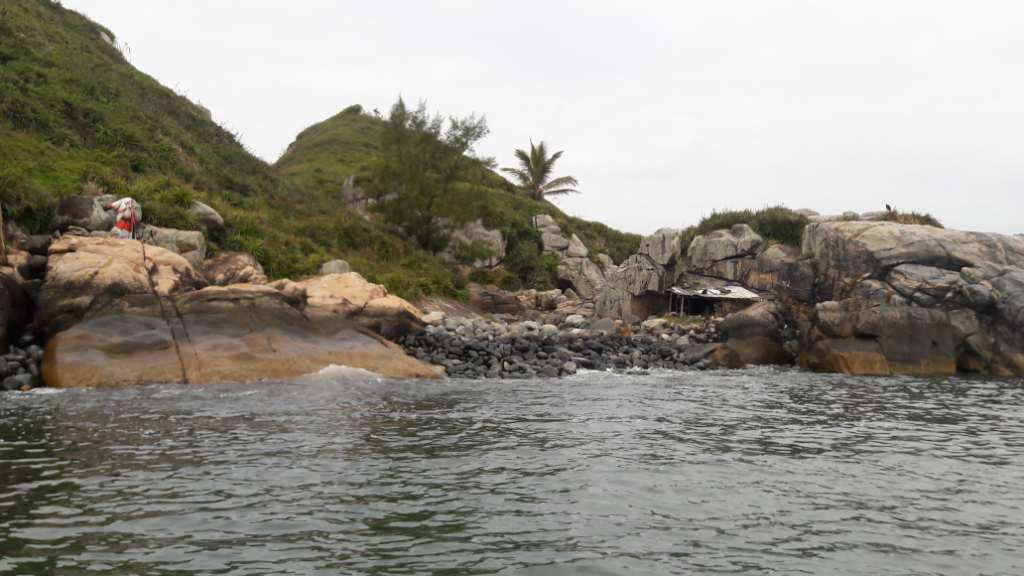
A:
[76, 117]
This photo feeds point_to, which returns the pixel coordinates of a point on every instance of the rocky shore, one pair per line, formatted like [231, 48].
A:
[20, 367]
[469, 348]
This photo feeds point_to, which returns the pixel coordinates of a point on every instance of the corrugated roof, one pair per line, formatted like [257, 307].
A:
[725, 293]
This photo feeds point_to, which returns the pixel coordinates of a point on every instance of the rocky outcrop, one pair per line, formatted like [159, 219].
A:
[909, 299]
[84, 212]
[229, 268]
[630, 287]
[494, 300]
[664, 247]
[582, 275]
[350, 298]
[190, 244]
[474, 236]
[575, 269]
[206, 216]
[727, 254]
[85, 275]
[219, 334]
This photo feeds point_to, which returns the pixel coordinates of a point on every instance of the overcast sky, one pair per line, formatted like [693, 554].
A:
[665, 110]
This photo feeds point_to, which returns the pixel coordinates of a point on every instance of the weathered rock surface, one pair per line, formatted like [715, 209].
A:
[475, 234]
[229, 268]
[190, 244]
[584, 276]
[335, 267]
[350, 297]
[725, 253]
[207, 216]
[664, 247]
[494, 300]
[85, 275]
[83, 211]
[218, 334]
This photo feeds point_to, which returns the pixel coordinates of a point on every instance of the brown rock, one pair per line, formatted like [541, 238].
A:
[760, 350]
[351, 297]
[849, 356]
[494, 300]
[85, 275]
[229, 268]
[220, 334]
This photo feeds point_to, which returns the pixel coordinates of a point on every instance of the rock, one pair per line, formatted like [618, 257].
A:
[549, 329]
[85, 275]
[915, 341]
[206, 216]
[574, 321]
[190, 244]
[569, 368]
[740, 240]
[604, 326]
[474, 234]
[20, 382]
[335, 267]
[545, 223]
[664, 247]
[605, 262]
[576, 248]
[555, 243]
[33, 268]
[219, 334]
[435, 318]
[585, 277]
[848, 356]
[652, 324]
[780, 270]
[293, 292]
[758, 320]
[494, 300]
[349, 297]
[228, 268]
[38, 244]
[759, 351]
[83, 211]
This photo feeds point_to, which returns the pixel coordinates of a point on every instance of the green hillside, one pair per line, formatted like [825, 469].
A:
[76, 117]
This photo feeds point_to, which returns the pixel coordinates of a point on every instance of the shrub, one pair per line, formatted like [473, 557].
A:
[775, 224]
[923, 219]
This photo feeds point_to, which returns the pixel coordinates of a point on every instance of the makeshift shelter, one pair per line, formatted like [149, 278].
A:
[707, 301]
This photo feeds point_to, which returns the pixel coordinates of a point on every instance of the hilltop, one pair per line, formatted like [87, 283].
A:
[76, 117]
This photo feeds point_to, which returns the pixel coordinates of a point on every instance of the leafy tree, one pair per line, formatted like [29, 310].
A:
[534, 173]
[423, 158]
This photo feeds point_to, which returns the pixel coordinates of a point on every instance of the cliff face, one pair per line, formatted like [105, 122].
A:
[893, 298]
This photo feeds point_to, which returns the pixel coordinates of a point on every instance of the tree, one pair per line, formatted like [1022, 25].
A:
[534, 173]
[423, 157]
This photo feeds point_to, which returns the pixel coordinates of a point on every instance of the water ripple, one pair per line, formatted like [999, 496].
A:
[755, 471]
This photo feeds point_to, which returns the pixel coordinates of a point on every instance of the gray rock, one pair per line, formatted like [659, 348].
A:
[604, 325]
[84, 212]
[576, 248]
[190, 244]
[585, 276]
[474, 234]
[722, 245]
[206, 216]
[335, 267]
[554, 242]
[574, 320]
[569, 368]
[38, 244]
[19, 381]
[545, 223]
[664, 247]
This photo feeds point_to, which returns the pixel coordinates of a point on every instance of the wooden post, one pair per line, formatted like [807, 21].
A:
[3, 240]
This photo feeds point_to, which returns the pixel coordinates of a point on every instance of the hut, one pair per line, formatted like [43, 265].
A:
[710, 301]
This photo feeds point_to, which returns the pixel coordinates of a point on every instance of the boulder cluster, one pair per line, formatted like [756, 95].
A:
[20, 367]
[482, 348]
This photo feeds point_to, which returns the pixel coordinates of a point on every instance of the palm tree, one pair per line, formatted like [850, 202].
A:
[534, 173]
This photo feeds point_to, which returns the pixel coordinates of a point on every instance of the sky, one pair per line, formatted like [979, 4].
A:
[666, 111]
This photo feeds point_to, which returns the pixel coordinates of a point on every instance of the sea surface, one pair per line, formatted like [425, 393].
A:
[744, 472]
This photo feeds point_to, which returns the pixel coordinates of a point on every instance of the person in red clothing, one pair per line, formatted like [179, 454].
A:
[128, 215]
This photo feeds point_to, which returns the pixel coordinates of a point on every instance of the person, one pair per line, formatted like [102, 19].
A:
[128, 214]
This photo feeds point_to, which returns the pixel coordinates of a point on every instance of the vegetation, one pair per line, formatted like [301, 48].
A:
[76, 117]
[775, 224]
[923, 219]
[534, 173]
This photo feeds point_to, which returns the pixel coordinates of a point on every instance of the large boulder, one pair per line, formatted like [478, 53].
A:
[85, 275]
[493, 300]
[190, 244]
[584, 276]
[84, 212]
[554, 243]
[474, 235]
[206, 216]
[664, 247]
[725, 253]
[335, 267]
[219, 334]
[228, 268]
[781, 270]
[763, 319]
[576, 249]
[350, 297]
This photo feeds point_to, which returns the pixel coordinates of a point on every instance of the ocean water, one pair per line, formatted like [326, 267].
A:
[743, 472]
